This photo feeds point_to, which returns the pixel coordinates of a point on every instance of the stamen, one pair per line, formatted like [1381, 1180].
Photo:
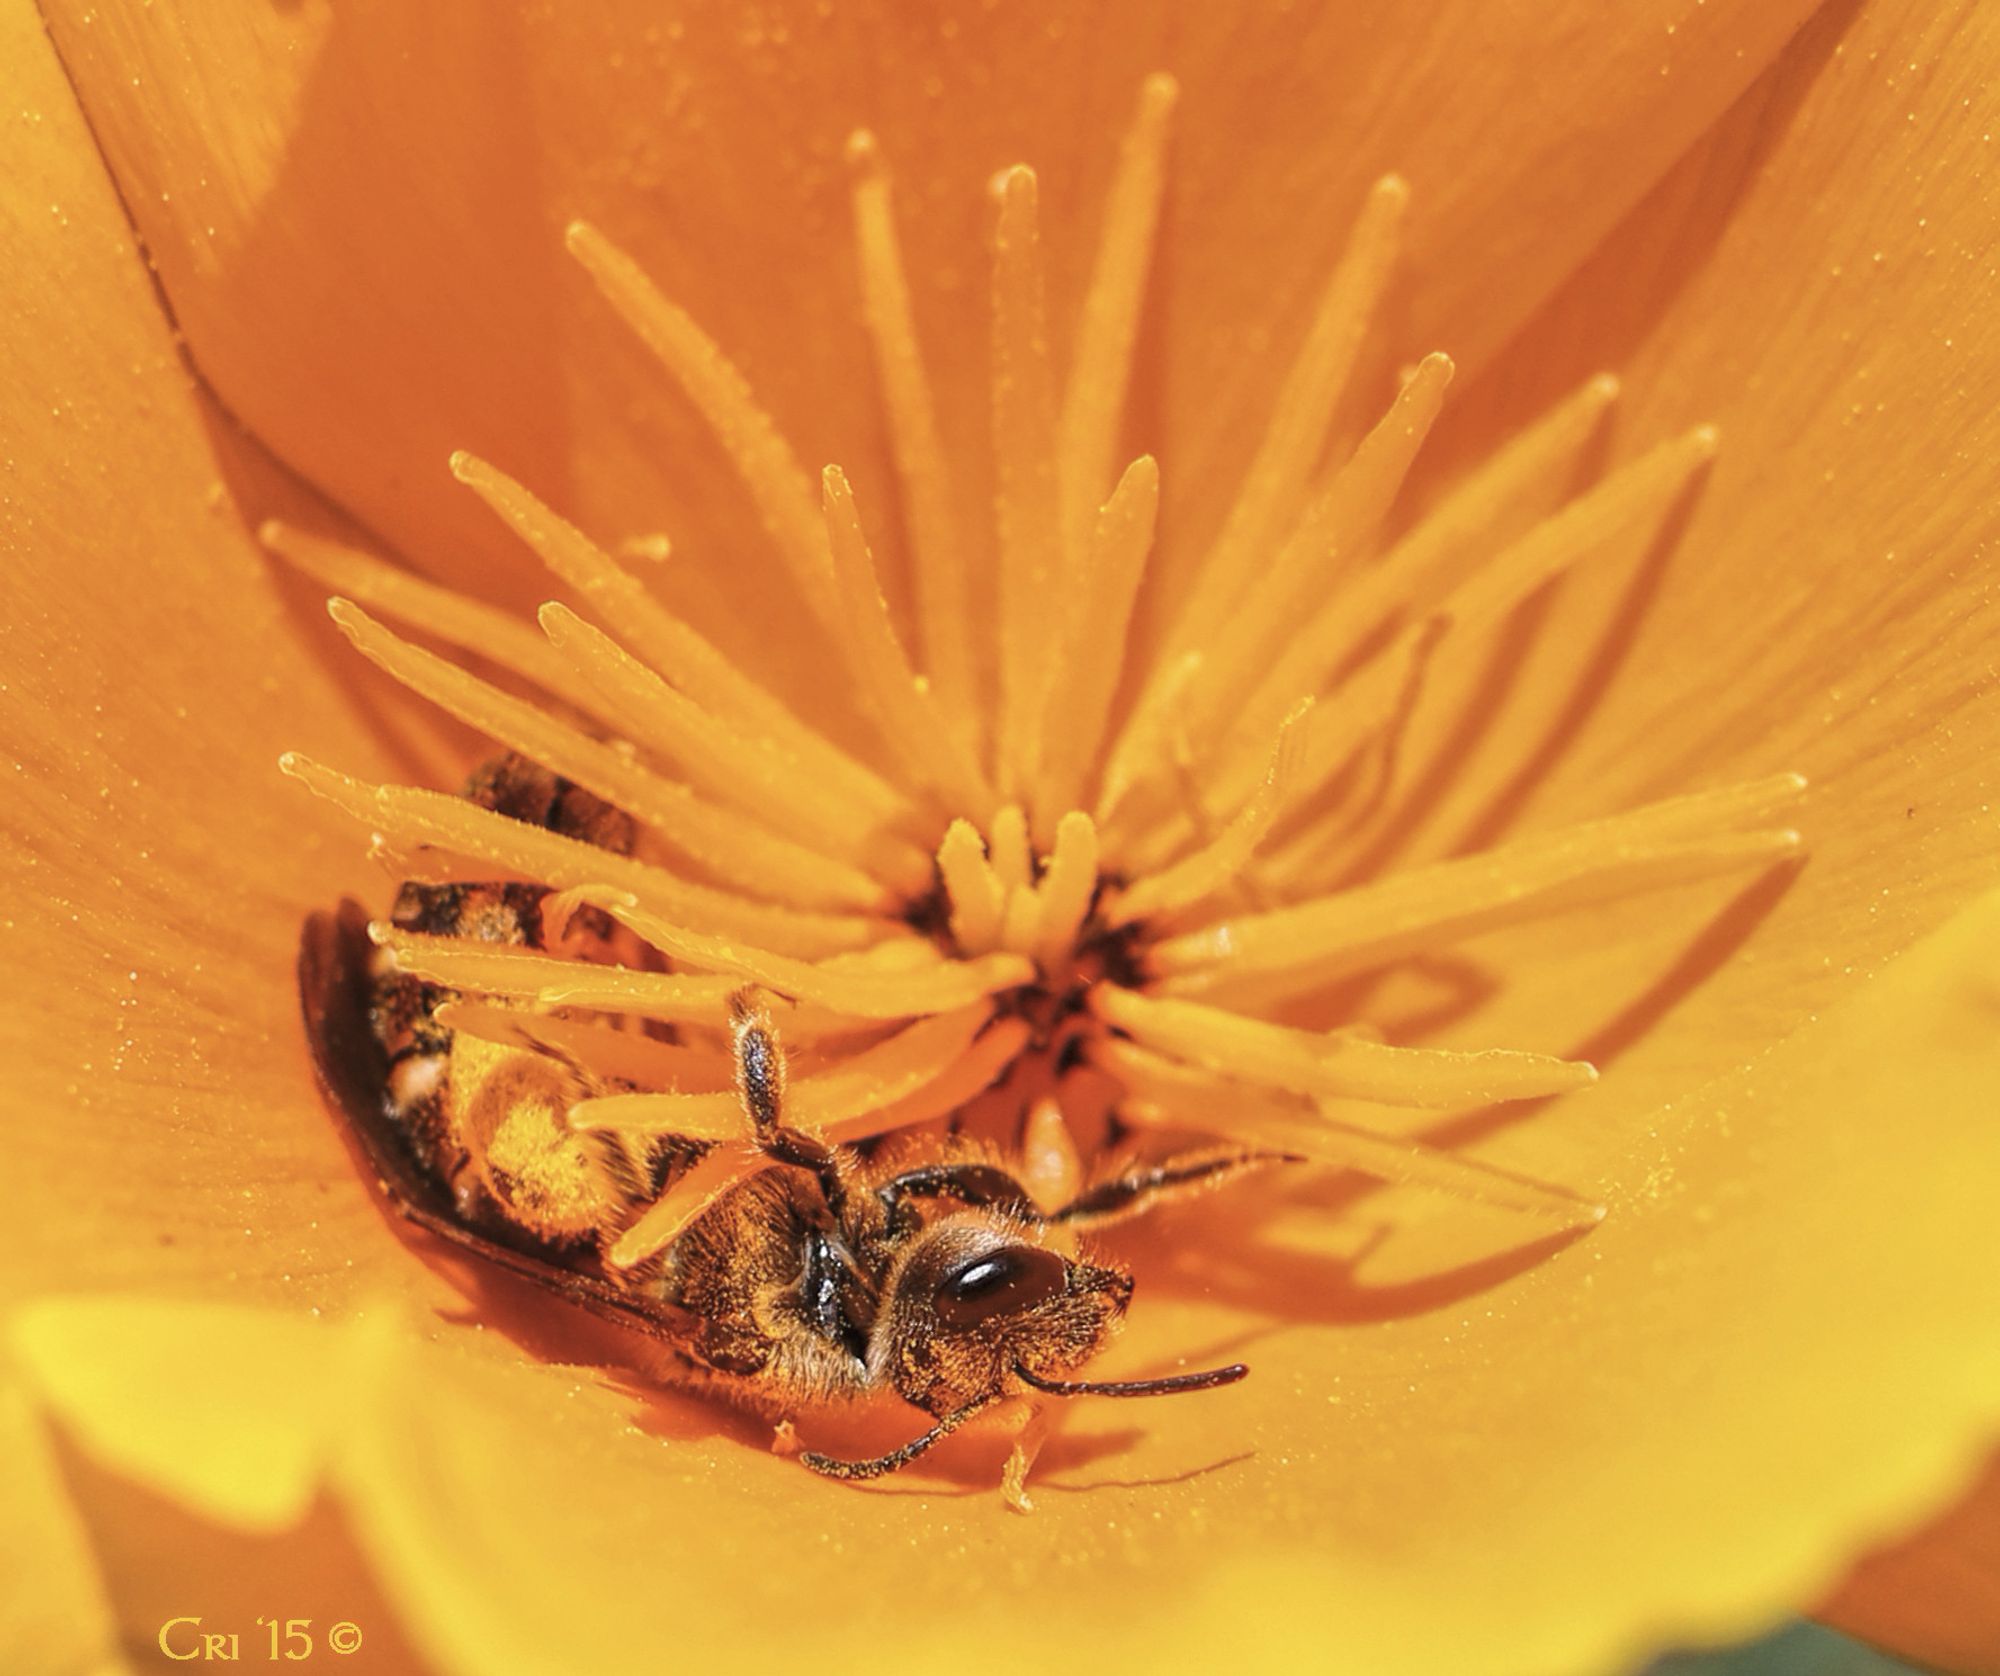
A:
[734, 1162]
[909, 718]
[458, 620]
[762, 457]
[728, 1165]
[944, 615]
[1049, 1167]
[1635, 497]
[1369, 723]
[731, 848]
[460, 963]
[825, 811]
[1094, 637]
[1500, 501]
[624, 1054]
[876, 1077]
[1360, 711]
[665, 642]
[1101, 366]
[1025, 507]
[947, 985]
[1162, 1091]
[1335, 531]
[978, 898]
[1268, 503]
[1068, 883]
[1208, 869]
[1334, 1064]
[1309, 943]
[1013, 862]
[1021, 919]
[971, 1075]
[410, 818]
[1217, 779]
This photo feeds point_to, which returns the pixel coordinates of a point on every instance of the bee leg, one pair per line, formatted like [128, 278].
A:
[1040, 1423]
[808, 1152]
[1144, 1187]
[974, 1184]
[831, 1466]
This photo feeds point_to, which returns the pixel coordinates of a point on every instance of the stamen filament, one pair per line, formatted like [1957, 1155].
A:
[1101, 366]
[762, 457]
[908, 716]
[1069, 882]
[1635, 497]
[1160, 1090]
[460, 963]
[410, 818]
[734, 1162]
[731, 848]
[1337, 1065]
[728, 1165]
[1311, 942]
[724, 763]
[1268, 502]
[978, 898]
[668, 644]
[1021, 920]
[1335, 531]
[1499, 501]
[1025, 506]
[865, 995]
[456, 619]
[1094, 637]
[1200, 875]
[878, 1076]
[1013, 861]
[624, 1054]
[944, 613]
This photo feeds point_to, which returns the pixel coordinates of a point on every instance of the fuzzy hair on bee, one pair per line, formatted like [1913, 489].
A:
[922, 1267]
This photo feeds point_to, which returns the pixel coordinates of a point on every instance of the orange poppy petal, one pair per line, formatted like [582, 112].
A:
[1931, 1595]
[1758, 1225]
[1824, 604]
[266, 157]
[1576, 1383]
[154, 669]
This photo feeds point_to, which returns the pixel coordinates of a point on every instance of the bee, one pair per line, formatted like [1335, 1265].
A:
[925, 1269]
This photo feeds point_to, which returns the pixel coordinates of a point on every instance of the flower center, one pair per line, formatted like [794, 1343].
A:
[1084, 842]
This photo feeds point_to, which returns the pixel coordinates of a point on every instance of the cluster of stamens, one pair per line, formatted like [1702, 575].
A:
[1092, 845]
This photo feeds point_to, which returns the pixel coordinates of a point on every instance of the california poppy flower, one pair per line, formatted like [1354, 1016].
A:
[1464, 1448]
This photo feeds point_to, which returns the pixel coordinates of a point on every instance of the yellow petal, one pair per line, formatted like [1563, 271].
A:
[53, 1610]
[235, 1413]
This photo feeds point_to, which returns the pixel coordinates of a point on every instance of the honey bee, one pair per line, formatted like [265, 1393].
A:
[926, 1269]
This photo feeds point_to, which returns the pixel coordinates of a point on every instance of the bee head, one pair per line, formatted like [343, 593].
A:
[977, 1302]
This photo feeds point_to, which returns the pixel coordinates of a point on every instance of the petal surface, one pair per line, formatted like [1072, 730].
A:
[1595, 1411]
[1497, 1481]
[156, 868]
[1823, 603]
[365, 317]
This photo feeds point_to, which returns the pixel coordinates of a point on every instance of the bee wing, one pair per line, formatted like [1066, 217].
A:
[353, 1071]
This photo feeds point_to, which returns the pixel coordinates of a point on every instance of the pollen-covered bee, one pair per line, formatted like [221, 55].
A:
[926, 1268]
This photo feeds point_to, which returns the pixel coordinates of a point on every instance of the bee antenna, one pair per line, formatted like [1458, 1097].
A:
[831, 1466]
[1206, 1380]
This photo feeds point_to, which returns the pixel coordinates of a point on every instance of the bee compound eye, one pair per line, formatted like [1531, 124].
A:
[1002, 1282]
